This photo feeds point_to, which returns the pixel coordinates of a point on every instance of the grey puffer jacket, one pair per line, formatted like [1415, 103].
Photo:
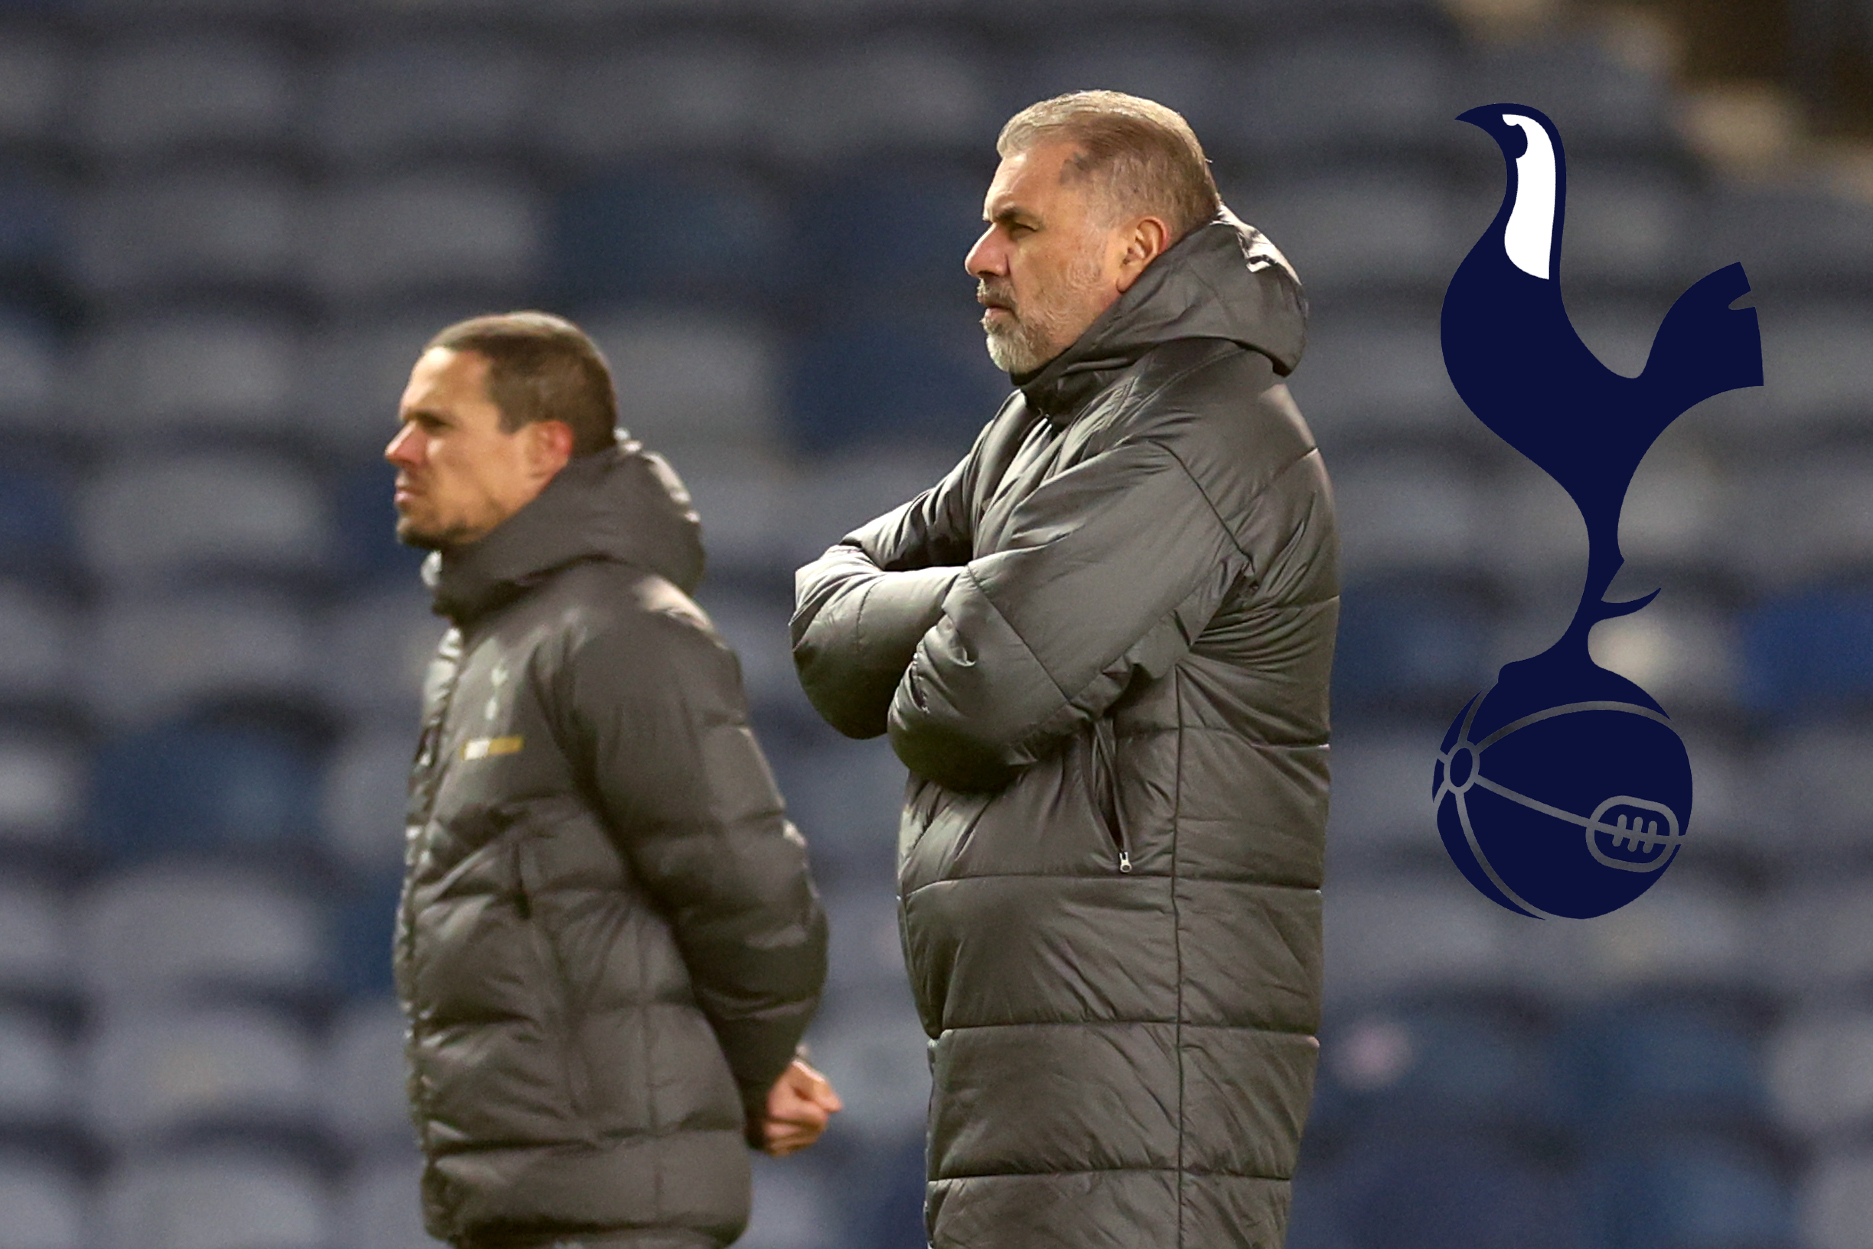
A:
[608, 944]
[1102, 645]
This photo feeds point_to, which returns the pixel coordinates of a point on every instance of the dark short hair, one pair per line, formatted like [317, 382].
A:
[1143, 156]
[541, 368]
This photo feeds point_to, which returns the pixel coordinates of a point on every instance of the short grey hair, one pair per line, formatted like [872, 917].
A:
[1144, 157]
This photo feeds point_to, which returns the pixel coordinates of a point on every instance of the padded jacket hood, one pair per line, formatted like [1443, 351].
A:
[1102, 646]
[608, 944]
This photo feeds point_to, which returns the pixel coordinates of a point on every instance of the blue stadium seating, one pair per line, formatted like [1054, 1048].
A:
[1406, 647]
[885, 379]
[1641, 1064]
[667, 233]
[894, 227]
[35, 518]
[32, 222]
[364, 923]
[387, 100]
[202, 787]
[1416, 1189]
[1809, 652]
[150, 98]
[1690, 1191]
[1467, 1061]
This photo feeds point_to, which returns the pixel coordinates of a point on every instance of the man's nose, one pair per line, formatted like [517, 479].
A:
[403, 449]
[985, 259]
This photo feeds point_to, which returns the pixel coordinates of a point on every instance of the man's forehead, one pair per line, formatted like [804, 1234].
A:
[441, 371]
[1029, 180]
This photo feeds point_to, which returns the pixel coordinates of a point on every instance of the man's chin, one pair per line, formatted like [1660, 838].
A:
[1012, 355]
[411, 534]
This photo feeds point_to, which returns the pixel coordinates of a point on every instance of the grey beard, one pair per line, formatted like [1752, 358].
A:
[1015, 351]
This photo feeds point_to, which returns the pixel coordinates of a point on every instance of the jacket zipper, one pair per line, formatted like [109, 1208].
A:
[1105, 752]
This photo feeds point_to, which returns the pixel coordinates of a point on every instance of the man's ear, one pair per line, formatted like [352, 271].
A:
[1144, 243]
[549, 446]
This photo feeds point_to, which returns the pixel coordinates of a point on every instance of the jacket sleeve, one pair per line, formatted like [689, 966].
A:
[1108, 570]
[862, 606]
[660, 716]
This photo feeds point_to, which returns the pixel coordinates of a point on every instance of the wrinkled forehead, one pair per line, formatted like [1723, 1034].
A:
[1038, 180]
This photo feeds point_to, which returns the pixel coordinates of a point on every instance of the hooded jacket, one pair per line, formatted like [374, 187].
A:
[608, 943]
[1102, 646]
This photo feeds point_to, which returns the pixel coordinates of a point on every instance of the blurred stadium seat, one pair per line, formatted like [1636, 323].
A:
[1428, 930]
[886, 92]
[378, 643]
[35, 518]
[213, 229]
[183, 787]
[1398, 512]
[43, 787]
[1809, 652]
[1372, 377]
[901, 226]
[1361, 229]
[700, 91]
[155, 1077]
[1415, 1189]
[1690, 1190]
[1820, 1072]
[1343, 94]
[35, 66]
[164, 657]
[32, 222]
[153, 519]
[362, 1088]
[881, 379]
[385, 101]
[36, 1088]
[215, 1199]
[669, 232]
[1462, 1061]
[1608, 104]
[379, 1206]
[182, 929]
[1410, 648]
[45, 1205]
[693, 380]
[364, 795]
[875, 1053]
[466, 230]
[1650, 1064]
[36, 947]
[229, 372]
[790, 1210]
[1836, 1201]
[227, 229]
[29, 373]
[147, 99]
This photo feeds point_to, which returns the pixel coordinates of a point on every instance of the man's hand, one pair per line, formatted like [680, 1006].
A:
[798, 1108]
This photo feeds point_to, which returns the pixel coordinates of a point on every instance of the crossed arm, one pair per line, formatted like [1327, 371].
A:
[977, 666]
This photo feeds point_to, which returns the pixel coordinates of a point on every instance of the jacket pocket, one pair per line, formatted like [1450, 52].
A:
[559, 1007]
[1105, 794]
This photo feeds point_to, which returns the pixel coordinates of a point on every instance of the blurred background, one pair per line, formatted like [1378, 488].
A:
[227, 225]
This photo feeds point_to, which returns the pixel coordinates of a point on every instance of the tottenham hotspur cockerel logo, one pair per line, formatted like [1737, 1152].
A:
[1564, 790]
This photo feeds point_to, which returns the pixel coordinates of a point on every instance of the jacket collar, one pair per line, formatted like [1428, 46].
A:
[622, 504]
[1224, 279]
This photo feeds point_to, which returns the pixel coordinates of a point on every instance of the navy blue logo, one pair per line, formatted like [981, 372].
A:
[1564, 790]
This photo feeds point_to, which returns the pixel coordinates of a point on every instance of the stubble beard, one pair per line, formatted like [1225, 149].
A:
[1047, 325]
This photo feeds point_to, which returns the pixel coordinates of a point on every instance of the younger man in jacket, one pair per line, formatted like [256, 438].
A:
[608, 944]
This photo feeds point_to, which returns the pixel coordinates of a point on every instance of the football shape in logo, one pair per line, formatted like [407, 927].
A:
[1564, 790]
